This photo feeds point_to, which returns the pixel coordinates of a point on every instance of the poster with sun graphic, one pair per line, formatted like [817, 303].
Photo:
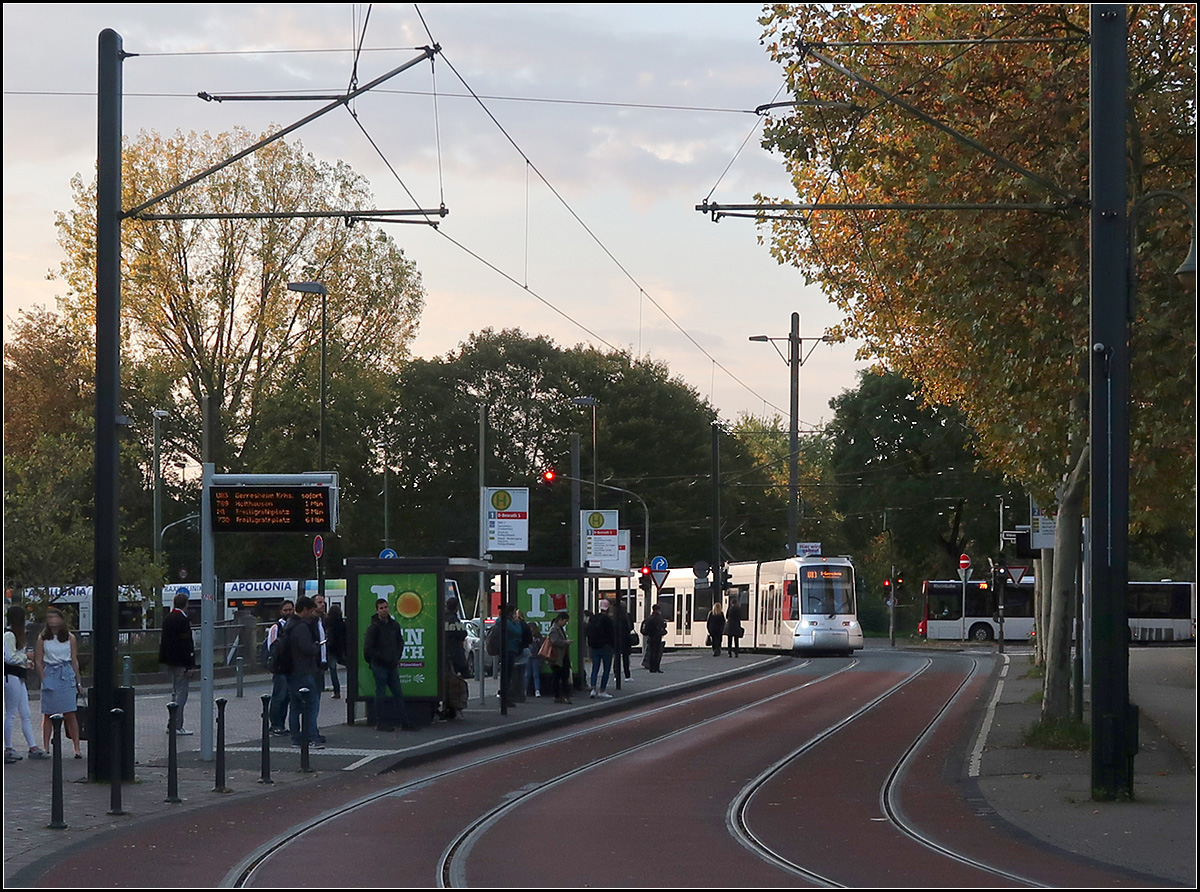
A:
[414, 604]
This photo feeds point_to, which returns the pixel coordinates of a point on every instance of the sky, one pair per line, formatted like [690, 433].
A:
[601, 127]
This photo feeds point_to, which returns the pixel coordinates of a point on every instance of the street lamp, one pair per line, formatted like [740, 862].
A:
[795, 360]
[592, 401]
[317, 288]
[158, 414]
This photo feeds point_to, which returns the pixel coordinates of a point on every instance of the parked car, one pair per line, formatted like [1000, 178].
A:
[474, 645]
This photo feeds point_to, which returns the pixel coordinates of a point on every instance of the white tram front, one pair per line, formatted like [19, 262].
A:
[801, 604]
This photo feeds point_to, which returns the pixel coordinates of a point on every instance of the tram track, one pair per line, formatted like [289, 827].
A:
[244, 873]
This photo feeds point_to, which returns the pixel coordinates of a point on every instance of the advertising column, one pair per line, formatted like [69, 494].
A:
[414, 603]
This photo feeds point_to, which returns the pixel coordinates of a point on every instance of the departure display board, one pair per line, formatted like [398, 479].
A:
[272, 509]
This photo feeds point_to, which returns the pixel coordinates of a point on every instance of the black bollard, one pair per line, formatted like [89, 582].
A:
[114, 807]
[172, 756]
[305, 693]
[220, 786]
[266, 741]
[56, 789]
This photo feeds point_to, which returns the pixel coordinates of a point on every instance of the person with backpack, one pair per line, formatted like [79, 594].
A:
[383, 645]
[278, 710]
[303, 649]
[601, 639]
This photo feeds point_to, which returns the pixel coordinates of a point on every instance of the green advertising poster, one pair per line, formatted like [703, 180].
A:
[413, 602]
[541, 600]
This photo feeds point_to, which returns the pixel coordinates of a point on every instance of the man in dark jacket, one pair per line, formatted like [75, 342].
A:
[177, 651]
[305, 649]
[383, 644]
[601, 639]
[654, 630]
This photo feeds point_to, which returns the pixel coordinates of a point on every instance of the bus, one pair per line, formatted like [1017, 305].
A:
[1158, 612]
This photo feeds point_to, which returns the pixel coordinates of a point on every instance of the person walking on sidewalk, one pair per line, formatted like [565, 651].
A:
[383, 644]
[178, 652]
[560, 658]
[16, 694]
[601, 639]
[716, 628]
[623, 623]
[56, 657]
[278, 711]
[733, 625]
[335, 630]
[654, 631]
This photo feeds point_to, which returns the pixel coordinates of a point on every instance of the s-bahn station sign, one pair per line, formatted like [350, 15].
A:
[296, 503]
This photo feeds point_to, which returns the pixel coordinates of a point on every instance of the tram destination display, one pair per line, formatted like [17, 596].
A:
[272, 509]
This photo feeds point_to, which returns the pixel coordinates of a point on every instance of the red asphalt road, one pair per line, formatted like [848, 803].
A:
[655, 815]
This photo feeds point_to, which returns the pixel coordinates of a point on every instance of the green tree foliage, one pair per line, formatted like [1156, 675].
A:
[653, 432]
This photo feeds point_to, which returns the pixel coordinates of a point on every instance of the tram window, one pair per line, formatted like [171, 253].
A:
[702, 603]
[666, 603]
[791, 604]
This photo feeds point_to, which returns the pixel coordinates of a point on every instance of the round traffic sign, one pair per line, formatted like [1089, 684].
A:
[318, 546]
[964, 562]
[658, 562]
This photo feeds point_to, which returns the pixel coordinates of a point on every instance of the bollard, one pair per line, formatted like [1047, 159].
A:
[241, 674]
[118, 718]
[266, 741]
[127, 672]
[56, 788]
[172, 756]
[220, 786]
[305, 693]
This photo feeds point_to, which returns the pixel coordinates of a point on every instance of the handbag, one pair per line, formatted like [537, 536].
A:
[708, 641]
[546, 651]
[633, 639]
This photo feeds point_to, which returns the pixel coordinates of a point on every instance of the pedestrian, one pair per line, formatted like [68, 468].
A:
[513, 671]
[335, 631]
[716, 628]
[322, 659]
[733, 625]
[16, 694]
[278, 709]
[383, 644]
[178, 652]
[454, 636]
[560, 658]
[623, 623]
[305, 650]
[654, 631]
[601, 639]
[56, 656]
[533, 666]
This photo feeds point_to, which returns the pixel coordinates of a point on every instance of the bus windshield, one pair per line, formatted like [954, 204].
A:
[827, 590]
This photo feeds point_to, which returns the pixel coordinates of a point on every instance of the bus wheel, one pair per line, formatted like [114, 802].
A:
[981, 632]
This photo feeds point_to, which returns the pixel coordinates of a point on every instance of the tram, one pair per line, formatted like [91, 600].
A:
[798, 605]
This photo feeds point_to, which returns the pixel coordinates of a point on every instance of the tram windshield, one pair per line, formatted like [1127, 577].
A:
[827, 590]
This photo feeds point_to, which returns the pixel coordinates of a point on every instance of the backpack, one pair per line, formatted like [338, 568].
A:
[279, 654]
[492, 642]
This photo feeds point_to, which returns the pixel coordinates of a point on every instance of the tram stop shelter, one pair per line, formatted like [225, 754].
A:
[415, 589]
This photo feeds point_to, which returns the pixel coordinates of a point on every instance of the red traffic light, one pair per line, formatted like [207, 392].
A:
[645, 571]
[549, 475]
[887, 583]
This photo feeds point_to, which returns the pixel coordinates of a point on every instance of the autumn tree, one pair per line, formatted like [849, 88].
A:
[208, 299]
[988, 310]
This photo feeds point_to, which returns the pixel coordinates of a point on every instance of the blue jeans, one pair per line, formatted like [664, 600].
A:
[296, 681]
[389, 679]
[179, 691]
[601, 655]
[533, 669]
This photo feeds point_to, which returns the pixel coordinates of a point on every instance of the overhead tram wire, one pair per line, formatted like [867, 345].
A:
[600, 243]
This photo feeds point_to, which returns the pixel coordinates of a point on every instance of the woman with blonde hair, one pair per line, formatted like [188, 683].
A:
[56, 657]
[716, 627]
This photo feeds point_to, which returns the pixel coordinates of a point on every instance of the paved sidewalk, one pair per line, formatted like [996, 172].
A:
[1045, 794]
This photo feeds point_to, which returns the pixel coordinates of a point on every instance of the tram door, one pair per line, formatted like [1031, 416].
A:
[682, 626]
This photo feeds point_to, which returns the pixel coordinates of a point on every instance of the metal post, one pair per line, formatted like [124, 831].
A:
[1114, 721]
[716, 513]
[576, 540]
[114, 807]
[56, 780]
[172, 756]
[321, 434]
[158, 415]
[127, 671]
[208, 603]
[265, 778]
[305, 730]
[220, 784]
[794, 435]
[108, 385]
[484, 597]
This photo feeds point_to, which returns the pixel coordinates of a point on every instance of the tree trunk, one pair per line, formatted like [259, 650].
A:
[1039, 629]
[1056, 699]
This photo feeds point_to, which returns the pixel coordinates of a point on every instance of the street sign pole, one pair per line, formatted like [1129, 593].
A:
[964, 570]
